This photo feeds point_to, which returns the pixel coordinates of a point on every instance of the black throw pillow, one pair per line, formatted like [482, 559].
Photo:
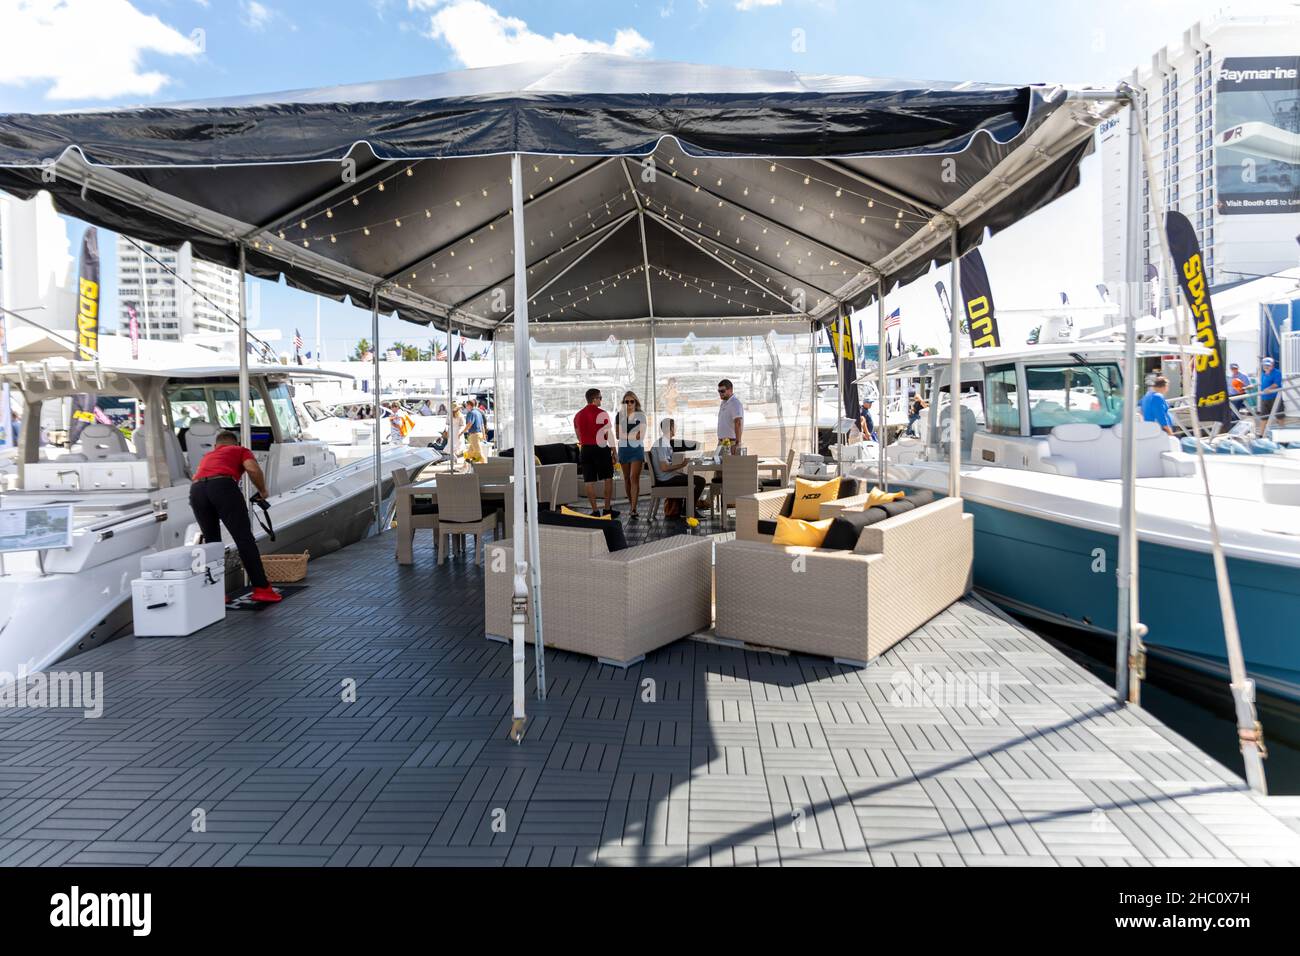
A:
[847, 528]
[787, 509]
[615, 539]
[848, 488]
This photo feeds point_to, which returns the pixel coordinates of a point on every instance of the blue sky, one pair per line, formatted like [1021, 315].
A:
[63, 54]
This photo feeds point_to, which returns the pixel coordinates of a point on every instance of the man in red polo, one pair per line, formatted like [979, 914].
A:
[216, 499]
[597, 451]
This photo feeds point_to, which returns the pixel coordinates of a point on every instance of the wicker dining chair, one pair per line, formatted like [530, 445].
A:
[739, 478]
[460, 512]
[423, 514]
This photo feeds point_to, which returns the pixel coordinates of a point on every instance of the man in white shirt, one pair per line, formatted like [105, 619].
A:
[731, 415]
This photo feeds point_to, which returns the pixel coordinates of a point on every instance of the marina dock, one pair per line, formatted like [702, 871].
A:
[236, 747]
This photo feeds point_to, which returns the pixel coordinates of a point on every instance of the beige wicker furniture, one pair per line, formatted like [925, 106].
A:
[495, 469]
[766, 505]
[849, 605]
[615, 607]
[739, 478]
[460, 512]
[414, 512]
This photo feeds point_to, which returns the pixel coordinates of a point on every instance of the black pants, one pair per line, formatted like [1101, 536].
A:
[677, 481]
[220, 501]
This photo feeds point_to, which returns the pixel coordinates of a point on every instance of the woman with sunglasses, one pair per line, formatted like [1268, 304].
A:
[630, 427]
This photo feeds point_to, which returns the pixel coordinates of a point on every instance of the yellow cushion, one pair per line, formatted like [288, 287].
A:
[810, 495]
[566, 510]
[877, 497]
[807, 534]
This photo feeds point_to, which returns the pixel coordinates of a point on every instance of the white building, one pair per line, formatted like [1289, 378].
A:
[36, 265]
[166, 307]
[1222, 112]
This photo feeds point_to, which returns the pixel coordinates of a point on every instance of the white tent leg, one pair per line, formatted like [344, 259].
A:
[379, 415]
[882, 404]
[954, 381]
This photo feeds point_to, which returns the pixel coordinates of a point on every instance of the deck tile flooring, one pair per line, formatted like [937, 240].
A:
[236, 746]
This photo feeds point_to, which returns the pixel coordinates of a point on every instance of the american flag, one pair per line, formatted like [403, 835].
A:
[893, 320]
[298, 343]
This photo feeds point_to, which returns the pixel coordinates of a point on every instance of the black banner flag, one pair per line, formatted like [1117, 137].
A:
[841, 332]
[87, 327]
[981, 320]
[1211, 374]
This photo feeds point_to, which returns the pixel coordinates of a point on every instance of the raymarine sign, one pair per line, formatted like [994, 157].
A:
[1242, 73]
[1271, 74]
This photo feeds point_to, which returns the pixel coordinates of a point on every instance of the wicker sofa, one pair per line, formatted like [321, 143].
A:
[848, 605]
[756, 514]
[616, 606]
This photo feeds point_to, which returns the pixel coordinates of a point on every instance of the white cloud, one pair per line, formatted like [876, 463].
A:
[755, 4]
[255, 15]
[87, 49]
[480, 36]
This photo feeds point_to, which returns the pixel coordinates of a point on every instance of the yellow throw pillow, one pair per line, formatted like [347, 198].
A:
[809, 496]
[877, 497]
[806, 534]
[566, 510]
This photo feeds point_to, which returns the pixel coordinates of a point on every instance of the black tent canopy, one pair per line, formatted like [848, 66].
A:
[651, 189]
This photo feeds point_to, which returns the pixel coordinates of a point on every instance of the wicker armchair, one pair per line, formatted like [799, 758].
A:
[615, 607]
[849, 605]
[413, 514]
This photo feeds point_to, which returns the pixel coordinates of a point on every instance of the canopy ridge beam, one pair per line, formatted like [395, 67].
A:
[605, 232]
[609, 233]
[824, 246]
[502, 218]
[794, 310]
[645, 252]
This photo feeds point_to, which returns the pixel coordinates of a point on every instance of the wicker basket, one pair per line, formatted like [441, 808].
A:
[285, 568]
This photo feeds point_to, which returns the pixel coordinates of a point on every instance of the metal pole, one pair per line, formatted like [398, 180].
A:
[244, 425]
[1127, 677]
[954, 369]
[812, 358]
[837, 343]
[523, 454]
[451, 400]
[882, 405]
[379, 414]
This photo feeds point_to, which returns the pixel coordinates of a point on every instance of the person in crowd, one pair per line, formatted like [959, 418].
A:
[915, 406]
[866, 425]
[630, 427]
[596, 451]
[216, 499]
[1238, 386]
[672, 395]
[15, 426]
[731, 416]
[665, 471]
[425, 409]
[1155, 407]
[1270, 384]
[474, 428]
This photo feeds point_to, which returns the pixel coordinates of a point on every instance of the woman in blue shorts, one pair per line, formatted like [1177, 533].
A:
[631, 426]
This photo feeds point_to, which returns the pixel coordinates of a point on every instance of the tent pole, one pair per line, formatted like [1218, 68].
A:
[1127, 681]
[244, 426]
[954, 368]
[523, 454]
[379, 415]
[812, 375]
[451, 399]
[882, 403]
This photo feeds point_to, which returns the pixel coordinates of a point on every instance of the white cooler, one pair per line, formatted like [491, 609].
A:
[812, 466]
[180, 591]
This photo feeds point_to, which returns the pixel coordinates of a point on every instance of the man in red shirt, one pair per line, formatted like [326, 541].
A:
[216, 499]
[596, 450]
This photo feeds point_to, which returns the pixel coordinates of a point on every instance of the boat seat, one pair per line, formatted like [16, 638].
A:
[176, 465]
[969, 424]
[100, 442]
[1150, 448]
[199, 440]
[1093, 449]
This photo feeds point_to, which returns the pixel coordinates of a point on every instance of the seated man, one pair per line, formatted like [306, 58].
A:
[661, 462]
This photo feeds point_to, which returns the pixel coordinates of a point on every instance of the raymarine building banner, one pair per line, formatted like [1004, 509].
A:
[1257, 135]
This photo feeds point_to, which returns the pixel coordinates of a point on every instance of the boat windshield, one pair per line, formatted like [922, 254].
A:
[1062, 394]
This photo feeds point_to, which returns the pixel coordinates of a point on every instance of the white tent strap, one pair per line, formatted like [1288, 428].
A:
[663, 328]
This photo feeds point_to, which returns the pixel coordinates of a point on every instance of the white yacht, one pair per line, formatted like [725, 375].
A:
[128, 484]
[1041, 441]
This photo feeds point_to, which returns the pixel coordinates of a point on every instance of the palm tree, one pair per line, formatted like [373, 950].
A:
[362, 348]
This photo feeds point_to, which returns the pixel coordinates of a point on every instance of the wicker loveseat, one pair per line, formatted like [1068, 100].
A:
[849, 605]
[756, 514]
[613, 606]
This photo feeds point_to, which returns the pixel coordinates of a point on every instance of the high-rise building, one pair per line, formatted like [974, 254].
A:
[1222, 112]
[181, 296]
[36, 264]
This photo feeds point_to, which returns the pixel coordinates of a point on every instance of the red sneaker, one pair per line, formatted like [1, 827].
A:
[266, 595]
